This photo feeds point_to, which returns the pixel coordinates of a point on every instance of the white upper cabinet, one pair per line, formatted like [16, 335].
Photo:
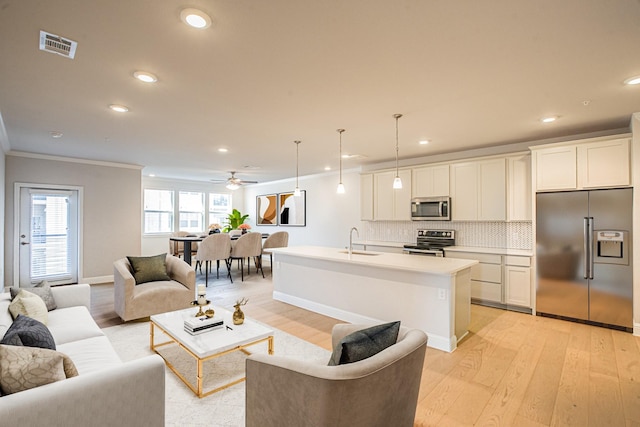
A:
[478, 190]
[519, 188]
[430, 181]
[366, 197]
[391, 204]
[604, 164]
[575, 166]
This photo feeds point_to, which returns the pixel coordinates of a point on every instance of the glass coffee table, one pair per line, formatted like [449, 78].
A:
[210, 344]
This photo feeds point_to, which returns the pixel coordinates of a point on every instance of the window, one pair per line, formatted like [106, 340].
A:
[219, 208]
[191, 211]
[158, 211]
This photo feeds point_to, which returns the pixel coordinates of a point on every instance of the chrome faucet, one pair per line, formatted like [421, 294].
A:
[351, 239]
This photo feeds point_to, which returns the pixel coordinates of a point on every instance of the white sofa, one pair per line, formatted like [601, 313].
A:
[106, 392]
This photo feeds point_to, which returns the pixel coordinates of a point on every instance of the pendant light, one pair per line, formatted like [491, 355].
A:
[397, 182]
[297, 192]
[340, 189]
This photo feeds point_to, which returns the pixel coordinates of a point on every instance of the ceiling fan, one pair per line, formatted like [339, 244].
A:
[234, 183]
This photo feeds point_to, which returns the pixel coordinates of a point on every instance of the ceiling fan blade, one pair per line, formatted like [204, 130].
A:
[248, 182]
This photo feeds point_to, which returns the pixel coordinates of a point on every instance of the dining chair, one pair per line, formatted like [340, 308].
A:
[248, 246]
[279, 239]
[177, 248]
[215, 247]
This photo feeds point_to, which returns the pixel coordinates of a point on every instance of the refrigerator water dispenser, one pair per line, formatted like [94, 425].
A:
[611, 247]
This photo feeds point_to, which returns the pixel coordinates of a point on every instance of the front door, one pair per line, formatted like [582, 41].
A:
[48, 236]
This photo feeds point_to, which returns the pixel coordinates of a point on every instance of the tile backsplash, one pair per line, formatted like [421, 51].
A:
[507, 235]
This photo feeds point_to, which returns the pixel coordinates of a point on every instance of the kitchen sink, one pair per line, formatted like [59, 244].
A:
[360, 253]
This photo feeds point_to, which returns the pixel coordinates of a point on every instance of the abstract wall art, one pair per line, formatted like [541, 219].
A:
[266, 209]
[292, 209]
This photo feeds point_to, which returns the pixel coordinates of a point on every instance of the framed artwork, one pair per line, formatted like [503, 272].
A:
[292, 210]
[266, 209]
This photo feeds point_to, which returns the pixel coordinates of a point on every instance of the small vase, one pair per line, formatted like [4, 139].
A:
[238, 316]
[244, 231]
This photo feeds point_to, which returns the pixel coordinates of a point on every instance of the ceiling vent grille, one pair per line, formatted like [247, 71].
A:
[56, 44]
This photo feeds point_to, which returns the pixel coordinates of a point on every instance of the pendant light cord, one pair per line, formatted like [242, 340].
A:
[397, 116]
[340, 132]
[297, 160]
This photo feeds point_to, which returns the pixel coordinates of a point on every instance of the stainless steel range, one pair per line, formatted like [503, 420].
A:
[431, 242]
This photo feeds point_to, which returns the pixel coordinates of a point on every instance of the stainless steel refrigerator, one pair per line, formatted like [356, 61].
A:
[583, 255]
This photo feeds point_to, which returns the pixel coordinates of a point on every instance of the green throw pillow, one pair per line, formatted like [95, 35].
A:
[149, 268]
[364, 343]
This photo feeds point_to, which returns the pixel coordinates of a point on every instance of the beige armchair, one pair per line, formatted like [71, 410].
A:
[133, 301]
[379, 391]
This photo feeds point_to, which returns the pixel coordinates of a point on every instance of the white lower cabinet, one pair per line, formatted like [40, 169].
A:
[499, 280]
[517, 281]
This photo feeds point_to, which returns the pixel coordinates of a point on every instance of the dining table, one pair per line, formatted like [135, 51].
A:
[188, 240]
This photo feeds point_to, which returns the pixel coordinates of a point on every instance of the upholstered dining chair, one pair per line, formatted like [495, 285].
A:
[177, 248]
[215, 247]
[279, 239]
[248, 246]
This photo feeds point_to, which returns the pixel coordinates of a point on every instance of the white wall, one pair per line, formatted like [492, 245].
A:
[330, 216]
[112, 206]
[635, 152]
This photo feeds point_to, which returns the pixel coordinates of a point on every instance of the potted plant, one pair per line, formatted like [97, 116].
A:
[234, 219]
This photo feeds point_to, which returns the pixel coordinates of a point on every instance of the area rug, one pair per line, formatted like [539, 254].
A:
[224, 408]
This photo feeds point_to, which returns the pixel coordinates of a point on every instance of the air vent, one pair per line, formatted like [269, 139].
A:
[56, 44]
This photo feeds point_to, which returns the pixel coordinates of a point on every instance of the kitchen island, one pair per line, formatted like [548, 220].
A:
[429, 293]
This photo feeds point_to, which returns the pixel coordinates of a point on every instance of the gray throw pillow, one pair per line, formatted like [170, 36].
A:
[149, 268]
[43, 290]
[28, 332]
[365, 343]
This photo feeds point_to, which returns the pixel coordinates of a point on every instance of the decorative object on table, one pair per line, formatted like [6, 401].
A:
[234, 219]
[238, 315]
[245, 228]
[266, 209]
[214, 228]
[202, 300]
[198, 325]
[292, 209]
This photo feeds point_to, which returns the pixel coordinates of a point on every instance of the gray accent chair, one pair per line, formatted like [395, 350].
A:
[379, 391]
[133, 301]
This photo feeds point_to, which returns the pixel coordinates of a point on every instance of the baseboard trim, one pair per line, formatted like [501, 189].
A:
[434, 341]
[636, 329]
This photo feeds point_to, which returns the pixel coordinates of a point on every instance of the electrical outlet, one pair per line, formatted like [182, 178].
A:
[442, 294]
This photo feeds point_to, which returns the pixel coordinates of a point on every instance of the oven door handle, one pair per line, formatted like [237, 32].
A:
[440, 209]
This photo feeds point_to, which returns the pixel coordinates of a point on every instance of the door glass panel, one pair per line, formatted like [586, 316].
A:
[50, 243]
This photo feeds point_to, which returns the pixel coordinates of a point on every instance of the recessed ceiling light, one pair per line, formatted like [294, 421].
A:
[152, 175]
[549, 119]
[55, 134]
[143, 76]
[119, 108]
[423, 142]
[327, 168]
[223, 150]
[632, 80]
[195, 18]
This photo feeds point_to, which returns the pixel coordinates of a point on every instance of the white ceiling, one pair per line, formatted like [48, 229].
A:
[464, 74]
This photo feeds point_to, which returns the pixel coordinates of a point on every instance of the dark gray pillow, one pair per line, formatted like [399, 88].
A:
[28, 332]
[149, 268]
[43, 290]
[364, 343]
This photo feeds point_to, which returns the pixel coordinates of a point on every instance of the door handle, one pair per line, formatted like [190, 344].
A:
[24, 243]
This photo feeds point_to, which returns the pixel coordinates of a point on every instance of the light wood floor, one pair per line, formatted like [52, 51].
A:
[512, 369]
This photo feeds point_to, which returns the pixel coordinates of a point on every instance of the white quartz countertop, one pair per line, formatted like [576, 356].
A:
[496, 251]
[424, 264]
[474, 249]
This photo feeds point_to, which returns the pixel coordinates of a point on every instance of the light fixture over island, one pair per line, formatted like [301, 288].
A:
[429, 293]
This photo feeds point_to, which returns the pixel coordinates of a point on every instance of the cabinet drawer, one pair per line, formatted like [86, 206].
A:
[486, 291]
[487, 273]
[518, 261]
[485, 258]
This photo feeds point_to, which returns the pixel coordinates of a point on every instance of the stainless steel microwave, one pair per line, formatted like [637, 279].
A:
[431, 209]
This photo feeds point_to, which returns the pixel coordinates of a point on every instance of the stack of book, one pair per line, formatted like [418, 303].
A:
[198, 325]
